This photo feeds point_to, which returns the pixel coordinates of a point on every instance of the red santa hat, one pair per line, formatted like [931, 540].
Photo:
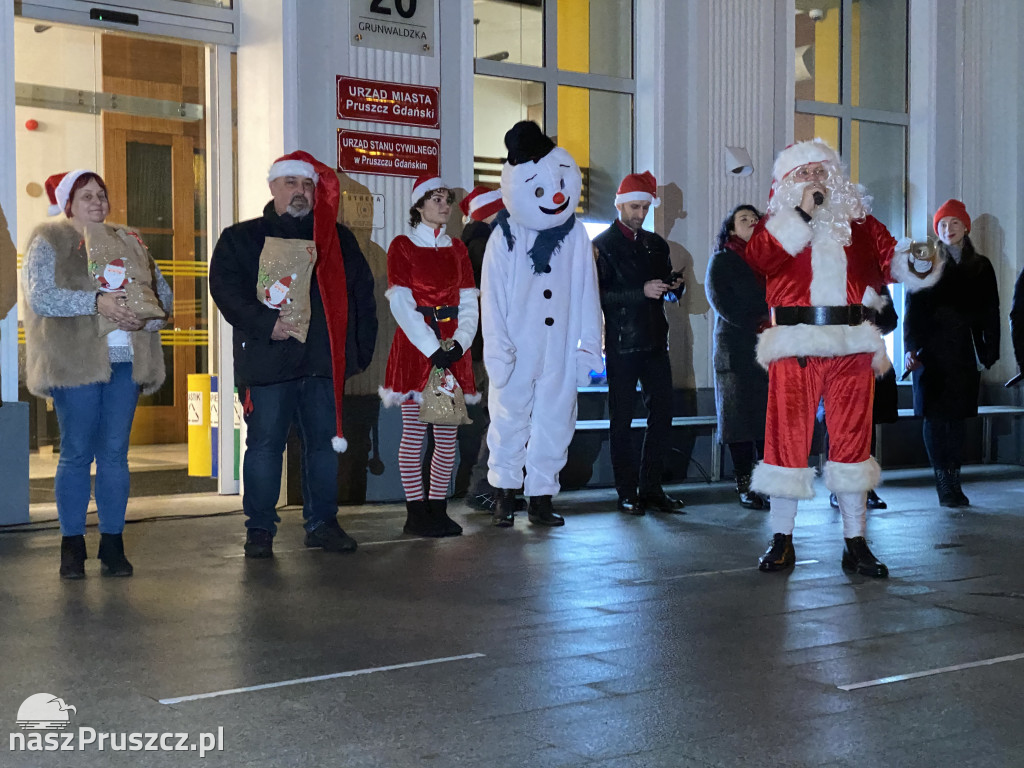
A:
[58, 189]
[952, 208]
[292, 165]
[424, 185]
[638, 187]
[802, 153]
[330, 267]
[481, 203]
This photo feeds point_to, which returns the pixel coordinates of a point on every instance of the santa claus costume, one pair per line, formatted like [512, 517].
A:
[433, 298]
[541, 318]
[824, 272]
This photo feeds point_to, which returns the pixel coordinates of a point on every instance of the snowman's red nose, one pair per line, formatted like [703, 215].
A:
[558, 199]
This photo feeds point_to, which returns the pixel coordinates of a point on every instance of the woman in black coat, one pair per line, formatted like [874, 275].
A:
[741, 384]
[951, 329]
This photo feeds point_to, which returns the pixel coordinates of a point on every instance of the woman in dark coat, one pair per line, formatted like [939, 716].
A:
[741, 384]
[951, 329]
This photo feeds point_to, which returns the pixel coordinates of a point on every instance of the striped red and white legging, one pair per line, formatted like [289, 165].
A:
[410, 455]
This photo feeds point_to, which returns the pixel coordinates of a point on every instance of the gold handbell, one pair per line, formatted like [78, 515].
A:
[922, 256]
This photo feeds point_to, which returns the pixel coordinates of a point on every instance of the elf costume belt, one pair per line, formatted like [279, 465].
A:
[437, 315]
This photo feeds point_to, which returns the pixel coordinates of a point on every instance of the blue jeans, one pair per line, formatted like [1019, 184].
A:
[95, 422]
[309, 402]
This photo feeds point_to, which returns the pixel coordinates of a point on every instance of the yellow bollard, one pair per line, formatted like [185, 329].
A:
[200, 455]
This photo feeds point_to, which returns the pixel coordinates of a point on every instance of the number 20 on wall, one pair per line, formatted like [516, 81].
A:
[406, 8]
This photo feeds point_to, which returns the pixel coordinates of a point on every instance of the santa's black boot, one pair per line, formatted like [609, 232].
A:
[111, 554]
[504, 514]
[419, 521]
[780, 554]
[541, 512]
[439, 515]
[857, 558]
[72, 557]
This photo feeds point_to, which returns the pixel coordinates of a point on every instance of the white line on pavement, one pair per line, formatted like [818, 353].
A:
[707, 573]
[319, 678]
[929, 672]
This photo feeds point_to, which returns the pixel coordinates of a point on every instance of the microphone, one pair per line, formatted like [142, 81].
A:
[818, 198]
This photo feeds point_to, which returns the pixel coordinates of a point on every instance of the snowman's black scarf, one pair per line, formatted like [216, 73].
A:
[544, 247]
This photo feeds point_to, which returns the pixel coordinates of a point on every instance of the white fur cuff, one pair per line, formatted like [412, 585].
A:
[789, 228]
[852, 478]
[899, 268]
[782, 341]
[791, 482]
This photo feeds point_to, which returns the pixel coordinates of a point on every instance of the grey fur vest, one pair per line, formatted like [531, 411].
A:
[69, 351]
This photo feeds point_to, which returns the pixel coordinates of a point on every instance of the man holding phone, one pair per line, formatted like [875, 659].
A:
[636, 278]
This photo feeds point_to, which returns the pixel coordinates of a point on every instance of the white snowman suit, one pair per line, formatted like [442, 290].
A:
[542, 331]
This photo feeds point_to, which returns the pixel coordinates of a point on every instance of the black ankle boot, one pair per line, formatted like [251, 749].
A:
[875, 501]
[859, 559]
[748, 498]
[780, 554]
[958, 492]
[944, 487]
[504, 514]
[72, 557]
[111, 554]
[438, 509]
[541, 512]
[419, 521]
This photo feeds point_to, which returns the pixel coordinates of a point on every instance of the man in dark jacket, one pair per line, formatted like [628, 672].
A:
[281, 379]
[636, 279]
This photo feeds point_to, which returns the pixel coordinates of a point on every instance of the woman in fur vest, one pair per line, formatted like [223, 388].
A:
[433, 296]
[94, 377]
[741, 384]
[951, 329]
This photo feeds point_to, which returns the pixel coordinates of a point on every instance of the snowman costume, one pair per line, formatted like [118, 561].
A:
[541, 317]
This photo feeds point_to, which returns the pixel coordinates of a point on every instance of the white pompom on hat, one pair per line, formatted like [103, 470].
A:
[292, 165]
[425, 185]
[638, 187]
[58, 189]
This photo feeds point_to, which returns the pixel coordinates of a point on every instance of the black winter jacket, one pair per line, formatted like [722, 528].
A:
[948, 324]
[632, 322]
[259, 360]
[475, 235]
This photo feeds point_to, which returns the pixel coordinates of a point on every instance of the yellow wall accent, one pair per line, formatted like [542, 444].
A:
[826, 57]
[573, 130]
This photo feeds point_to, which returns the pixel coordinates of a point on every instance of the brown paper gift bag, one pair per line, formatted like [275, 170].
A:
[443, 402]
[284, 277]
[119, 262]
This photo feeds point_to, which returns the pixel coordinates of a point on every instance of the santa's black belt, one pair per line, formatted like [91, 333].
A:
[437, 315]
[850, 314]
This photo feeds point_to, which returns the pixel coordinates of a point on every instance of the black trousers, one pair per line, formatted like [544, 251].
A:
[652, 370]
[944, 442]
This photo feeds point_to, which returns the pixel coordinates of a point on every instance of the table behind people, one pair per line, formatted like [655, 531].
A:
[636, 281]
[93, 377]
[281, 379]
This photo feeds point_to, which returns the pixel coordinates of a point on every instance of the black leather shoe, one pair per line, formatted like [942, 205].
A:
[72, 557]
[875, 501]
[780, 554]
[630, 505]
[541, 512]
[504, 515]
[944, 487]
[833, 501]
[111, 554]
[958, 493]
[857, 558]
[329, 537]
[259, 543]
[660, 502]
[439, 514]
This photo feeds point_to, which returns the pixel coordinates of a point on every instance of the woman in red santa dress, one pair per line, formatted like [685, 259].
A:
[433, 297]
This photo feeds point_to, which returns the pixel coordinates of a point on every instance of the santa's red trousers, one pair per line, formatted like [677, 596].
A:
[847, 383]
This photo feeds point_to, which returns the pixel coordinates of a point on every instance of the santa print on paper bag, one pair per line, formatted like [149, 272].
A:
[277, 294]
[447, 385]
[113, 277]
